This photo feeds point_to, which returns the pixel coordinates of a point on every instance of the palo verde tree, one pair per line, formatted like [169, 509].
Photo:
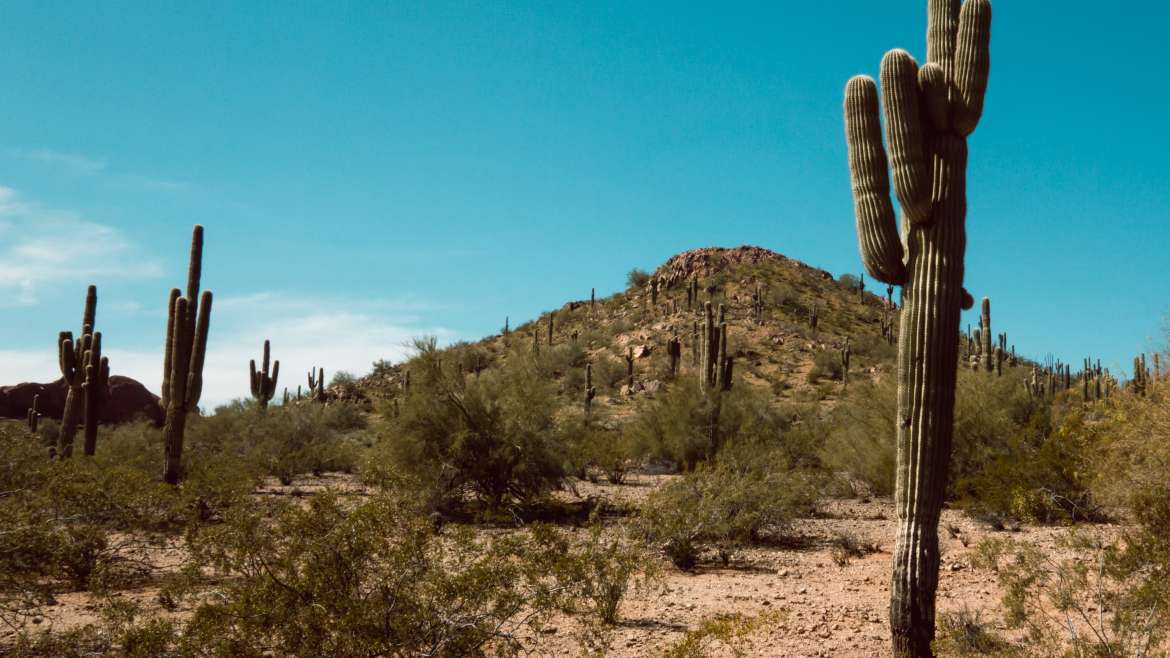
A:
[188, 320]
[929, 113]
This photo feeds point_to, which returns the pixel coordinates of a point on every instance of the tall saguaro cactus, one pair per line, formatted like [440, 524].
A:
[188, 320]
[989, 358]
[97, 390]
[929, 113]
[263, 385]
[72, 357]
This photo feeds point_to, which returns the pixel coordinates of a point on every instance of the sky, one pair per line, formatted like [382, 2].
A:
[369, 172]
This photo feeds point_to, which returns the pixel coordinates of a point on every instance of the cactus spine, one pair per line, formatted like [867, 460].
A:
[188, 321]
[929, 112]
[263, 385]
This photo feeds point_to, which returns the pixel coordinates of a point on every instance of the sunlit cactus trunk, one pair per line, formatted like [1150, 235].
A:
[188, 321]
[929, 112]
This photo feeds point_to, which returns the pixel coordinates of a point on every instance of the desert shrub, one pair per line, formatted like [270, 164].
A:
[965, 633]
[845, 546]
[1091, 597]
[826, 365]
[725, 505]
[677, 426]
[637, 279]
[860, 435]
[1008, 460]
[595, 448]
[332, 579]
[494, 437]
[728, 633]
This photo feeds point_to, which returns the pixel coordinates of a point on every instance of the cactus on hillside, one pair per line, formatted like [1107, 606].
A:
[551, 315]
[674, 351]
[188, 321]
[590, 391]
[71, 358]
[263, 385]
[813, 318]
[630, 369]
[34, 416]
[316, 379]
[985, 348]
[846, 352]
[929, 113]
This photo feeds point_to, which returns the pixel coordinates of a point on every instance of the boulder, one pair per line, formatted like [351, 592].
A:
[129, 400]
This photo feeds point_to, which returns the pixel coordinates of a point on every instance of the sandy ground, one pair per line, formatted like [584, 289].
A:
[820, 607]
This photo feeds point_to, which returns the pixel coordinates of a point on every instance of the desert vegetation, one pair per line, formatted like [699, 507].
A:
[521, 493]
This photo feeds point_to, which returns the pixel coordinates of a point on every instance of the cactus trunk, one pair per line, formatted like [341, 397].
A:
[929, 112]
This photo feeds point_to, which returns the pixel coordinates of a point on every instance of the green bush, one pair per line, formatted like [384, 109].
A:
[826, 365]
[637, 279]
[494, 437]
[334, 579]
[726, 505]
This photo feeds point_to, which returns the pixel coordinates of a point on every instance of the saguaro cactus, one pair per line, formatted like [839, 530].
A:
[985, 347]
[929, 112]
[188, 321]
[72, 357]
[97, 390]
[34, 416]
[317, 384]
[590, 391]
[674, 351]
[263, 385]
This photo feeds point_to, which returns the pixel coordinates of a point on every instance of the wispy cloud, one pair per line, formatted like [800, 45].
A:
[74, 161]
[337, 334]
[82, 164]
[33, 252]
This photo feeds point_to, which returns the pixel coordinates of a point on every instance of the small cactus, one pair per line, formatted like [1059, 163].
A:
[263, 385]
[846, 352]
[630, 368]
[551, 315]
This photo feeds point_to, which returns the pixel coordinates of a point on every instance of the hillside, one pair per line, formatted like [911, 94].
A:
[768, 300]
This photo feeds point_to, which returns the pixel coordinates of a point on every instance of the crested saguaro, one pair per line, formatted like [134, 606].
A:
[929, 112]
[188, 320]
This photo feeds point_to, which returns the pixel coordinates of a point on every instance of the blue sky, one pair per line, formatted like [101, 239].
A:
[372, 171]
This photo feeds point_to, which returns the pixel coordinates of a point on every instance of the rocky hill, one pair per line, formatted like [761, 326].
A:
[787, 322]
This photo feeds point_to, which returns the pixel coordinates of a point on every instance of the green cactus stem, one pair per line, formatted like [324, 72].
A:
[985, 349]
[97, 391]
[590, 391]
[846, 352]
[71, 358]
[188, 322]
[592, 298]
[264, 385]
[674, 351]
[506, 329]
[929, 113]
[34, 416]
[813, 318]
[316, 381]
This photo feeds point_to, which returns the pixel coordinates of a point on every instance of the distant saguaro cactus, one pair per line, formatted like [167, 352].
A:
[34, 416]
[630, 368]
[263, 385]
[590, 391]
[188, 321]
[813, 317]
[72, 360]
[316, 381]
[97, 391]
[929, 112]
[985, 348]
[550, 328]
[846, 352]
[674, 351]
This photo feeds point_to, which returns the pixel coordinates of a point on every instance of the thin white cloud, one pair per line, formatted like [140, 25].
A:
[74, 161]
[39, 245]
[305, 333]
[82, 164]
